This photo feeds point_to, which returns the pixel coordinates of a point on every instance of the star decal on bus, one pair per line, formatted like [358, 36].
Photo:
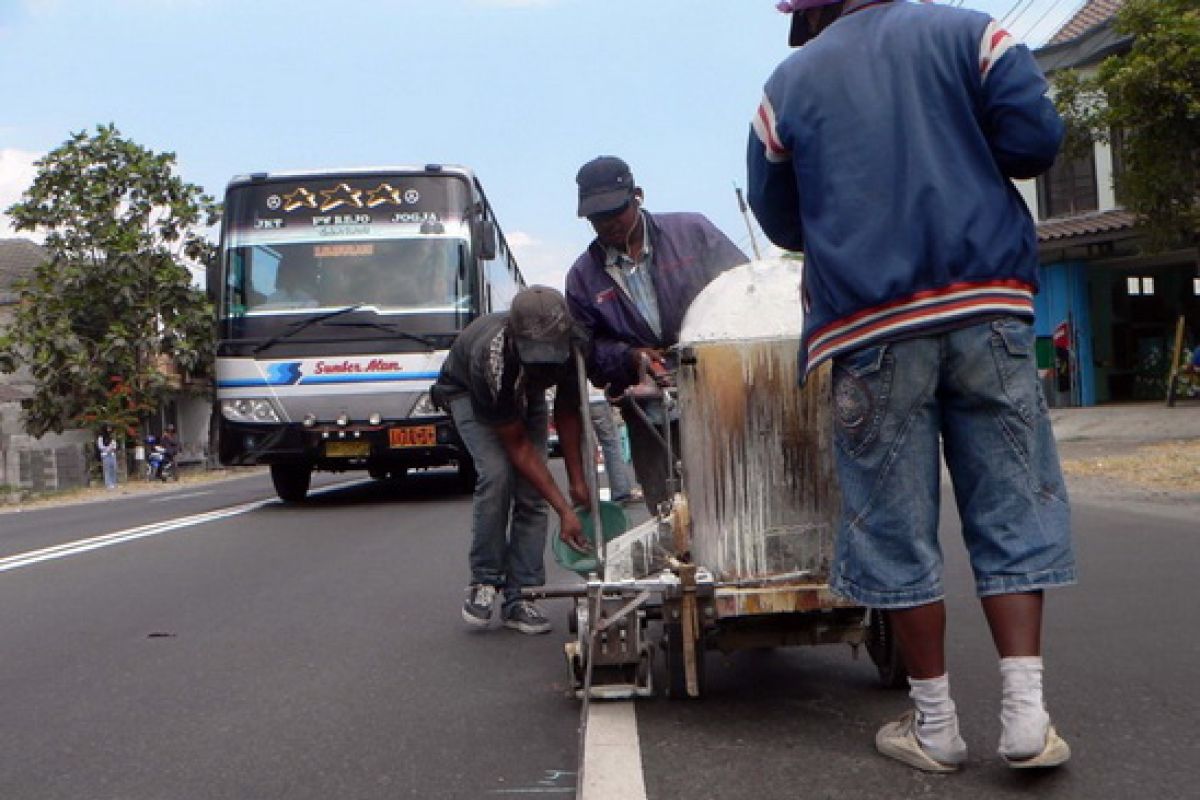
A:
[384, 193]
[341, 195]
[301, 198]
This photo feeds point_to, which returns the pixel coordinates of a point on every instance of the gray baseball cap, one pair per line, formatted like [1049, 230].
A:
[541, 326]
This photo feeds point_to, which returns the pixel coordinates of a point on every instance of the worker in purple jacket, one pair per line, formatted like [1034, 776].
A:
[631, 289]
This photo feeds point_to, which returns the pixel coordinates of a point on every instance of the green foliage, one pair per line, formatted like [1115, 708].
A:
[1151, 97]
[115, 297]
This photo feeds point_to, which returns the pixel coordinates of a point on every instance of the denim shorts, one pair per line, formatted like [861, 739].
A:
[974, 391]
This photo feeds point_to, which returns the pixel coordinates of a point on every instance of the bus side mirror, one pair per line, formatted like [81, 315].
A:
[487, 240]
[212, 278]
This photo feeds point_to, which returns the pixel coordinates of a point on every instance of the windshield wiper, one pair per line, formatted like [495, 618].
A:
[304, 323]
[383, 326]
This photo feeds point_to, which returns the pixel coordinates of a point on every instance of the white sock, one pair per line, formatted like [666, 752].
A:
[1023, 718]
[937, 720]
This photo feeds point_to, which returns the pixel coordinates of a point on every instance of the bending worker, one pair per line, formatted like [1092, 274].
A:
[631, 288]
[890, 168]
[494, 384]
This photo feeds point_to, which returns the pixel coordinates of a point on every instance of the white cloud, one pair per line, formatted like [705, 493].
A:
[541, 262]
[16, 174]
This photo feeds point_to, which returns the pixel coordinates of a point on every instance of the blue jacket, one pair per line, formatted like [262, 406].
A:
[884, 149]
[688, 252]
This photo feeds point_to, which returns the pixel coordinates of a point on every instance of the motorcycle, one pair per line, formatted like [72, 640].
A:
[159, 464]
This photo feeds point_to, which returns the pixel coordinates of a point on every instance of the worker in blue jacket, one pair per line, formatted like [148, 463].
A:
[883, 149]
[630, 289]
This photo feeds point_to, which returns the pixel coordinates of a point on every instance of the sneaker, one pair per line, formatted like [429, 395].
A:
[1056, 752]
[526, 617]
[898, 740]
[477, 610]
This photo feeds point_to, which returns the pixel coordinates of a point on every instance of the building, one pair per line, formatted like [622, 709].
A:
[63, 461]
[1107, 312]
[53, 461]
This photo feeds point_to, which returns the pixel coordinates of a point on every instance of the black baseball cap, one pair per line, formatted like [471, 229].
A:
[541, 326]
[605, 184]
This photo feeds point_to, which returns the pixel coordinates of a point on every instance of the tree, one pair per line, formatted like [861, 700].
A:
[1146, 103]
[115, 296]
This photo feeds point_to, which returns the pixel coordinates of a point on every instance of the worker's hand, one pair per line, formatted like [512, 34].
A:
[571, 532]
[650, 355]
[580, 495]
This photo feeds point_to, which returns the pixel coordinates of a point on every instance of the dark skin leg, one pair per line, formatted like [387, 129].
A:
[1015, 621]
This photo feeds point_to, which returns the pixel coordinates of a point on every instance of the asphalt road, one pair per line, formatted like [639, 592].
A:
[317, 652]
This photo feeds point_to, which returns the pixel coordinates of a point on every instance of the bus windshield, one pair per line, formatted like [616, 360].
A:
[419, 274]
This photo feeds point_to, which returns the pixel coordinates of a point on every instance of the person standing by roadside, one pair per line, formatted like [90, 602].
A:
[884, 150]
[630, 289]
[106, 446]
[620, 487]
[494, 385]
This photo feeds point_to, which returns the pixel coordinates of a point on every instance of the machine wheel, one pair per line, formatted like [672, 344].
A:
[676, 676]
[885, 651]
[291, 481]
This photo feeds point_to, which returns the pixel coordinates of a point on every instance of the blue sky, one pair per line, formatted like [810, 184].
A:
[523, 91]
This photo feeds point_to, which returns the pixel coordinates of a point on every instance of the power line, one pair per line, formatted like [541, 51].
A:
[1045, 13]
[1008, 22]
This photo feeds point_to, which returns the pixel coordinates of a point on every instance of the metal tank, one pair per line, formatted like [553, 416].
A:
[757, 450]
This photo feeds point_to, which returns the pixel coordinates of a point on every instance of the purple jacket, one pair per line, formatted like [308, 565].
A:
[688, 251]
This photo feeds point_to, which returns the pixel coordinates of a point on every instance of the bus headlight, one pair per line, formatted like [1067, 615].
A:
[424, 407]
[254, 409]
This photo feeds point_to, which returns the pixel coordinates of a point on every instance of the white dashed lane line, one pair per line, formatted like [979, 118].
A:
[612, 754]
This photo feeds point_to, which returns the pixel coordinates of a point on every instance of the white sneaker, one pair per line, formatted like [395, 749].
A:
[898, 740]
[1056, 751]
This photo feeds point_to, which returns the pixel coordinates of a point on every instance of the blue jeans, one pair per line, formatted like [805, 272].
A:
[974, 390]
[108, 464]
[508, 518]
[606, 435]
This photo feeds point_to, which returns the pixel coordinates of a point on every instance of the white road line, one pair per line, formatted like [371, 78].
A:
[173, 497]
[119, 537]
[612, 755]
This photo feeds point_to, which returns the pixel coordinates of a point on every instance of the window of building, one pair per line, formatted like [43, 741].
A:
[1069, 187]
[1196, 286]
[1137, 285]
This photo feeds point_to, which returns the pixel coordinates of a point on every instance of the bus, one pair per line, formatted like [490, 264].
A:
[338, 296]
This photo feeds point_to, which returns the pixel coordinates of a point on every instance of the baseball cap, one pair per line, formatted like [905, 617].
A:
[605, 184]
[541, 326]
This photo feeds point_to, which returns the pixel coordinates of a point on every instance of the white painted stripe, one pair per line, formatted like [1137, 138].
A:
[141, 532]
[612, 754]
[173, 497]
[120, 537]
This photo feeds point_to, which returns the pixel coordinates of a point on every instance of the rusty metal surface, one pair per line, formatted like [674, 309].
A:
[742, 601]
[758, 465]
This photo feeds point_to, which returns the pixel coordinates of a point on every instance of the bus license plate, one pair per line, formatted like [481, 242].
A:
[347, 449]
[418, 436]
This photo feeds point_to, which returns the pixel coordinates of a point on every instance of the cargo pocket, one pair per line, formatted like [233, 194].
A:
[1013, 349]
[862, 383]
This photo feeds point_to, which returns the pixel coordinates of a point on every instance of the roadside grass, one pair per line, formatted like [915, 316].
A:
[1168, 466]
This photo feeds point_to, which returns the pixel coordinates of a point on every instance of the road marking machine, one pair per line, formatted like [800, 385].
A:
[740, 557]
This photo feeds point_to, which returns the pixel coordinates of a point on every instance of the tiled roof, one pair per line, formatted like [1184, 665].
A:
[18, 258]
[1096, 222]
[1089, 15]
